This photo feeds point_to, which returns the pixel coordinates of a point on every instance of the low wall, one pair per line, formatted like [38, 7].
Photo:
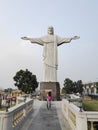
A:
[13, 119]
[77, 120]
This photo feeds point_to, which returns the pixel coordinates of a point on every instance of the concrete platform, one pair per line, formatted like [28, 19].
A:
[43, 119]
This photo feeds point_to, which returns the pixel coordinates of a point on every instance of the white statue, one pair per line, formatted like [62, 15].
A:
[50, 43]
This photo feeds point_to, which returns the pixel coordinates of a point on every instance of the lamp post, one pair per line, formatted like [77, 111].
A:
[7, 104]
[25, 98]
[80, 105]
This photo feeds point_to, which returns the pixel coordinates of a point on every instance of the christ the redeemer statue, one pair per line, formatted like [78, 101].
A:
[50, 42]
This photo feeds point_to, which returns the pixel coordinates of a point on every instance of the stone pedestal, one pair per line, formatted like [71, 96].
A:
[52, 87]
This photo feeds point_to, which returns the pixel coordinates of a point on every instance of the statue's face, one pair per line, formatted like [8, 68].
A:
[50, 31]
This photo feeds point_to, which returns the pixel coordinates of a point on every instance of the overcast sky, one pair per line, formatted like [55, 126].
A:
[77, 60]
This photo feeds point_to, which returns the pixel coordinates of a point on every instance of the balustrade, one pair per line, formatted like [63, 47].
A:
[11, 119]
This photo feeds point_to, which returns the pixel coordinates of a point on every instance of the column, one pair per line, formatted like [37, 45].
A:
[92, 128]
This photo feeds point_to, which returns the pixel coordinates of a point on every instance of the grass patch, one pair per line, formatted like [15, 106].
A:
[90, 105]
[3, 108]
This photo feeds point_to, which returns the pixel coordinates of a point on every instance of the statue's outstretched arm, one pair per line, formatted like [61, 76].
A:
[33, 40]
[67, 40]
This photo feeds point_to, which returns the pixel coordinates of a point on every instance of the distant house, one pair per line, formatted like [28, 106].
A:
[89, 88]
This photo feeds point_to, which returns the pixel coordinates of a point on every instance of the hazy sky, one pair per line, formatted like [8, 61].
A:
[77, 60]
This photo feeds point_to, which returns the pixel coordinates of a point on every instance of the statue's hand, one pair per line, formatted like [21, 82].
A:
[75, 37]
[24, 38]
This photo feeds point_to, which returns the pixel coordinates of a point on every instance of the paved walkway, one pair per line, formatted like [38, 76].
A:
[43, 119]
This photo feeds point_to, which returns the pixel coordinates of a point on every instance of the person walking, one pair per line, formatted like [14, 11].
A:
[49, 98]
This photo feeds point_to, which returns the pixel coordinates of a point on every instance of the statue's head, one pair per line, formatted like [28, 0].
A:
[50, 30]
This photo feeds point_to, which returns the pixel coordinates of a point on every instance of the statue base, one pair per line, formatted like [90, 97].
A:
[52, 87]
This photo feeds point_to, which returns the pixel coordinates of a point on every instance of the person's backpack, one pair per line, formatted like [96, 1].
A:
[49, 98]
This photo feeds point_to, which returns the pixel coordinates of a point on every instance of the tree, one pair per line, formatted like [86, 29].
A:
[25, 81]
[79, 86]
[8, 90]
[96, 84]
[68, 86]
[72, 87]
